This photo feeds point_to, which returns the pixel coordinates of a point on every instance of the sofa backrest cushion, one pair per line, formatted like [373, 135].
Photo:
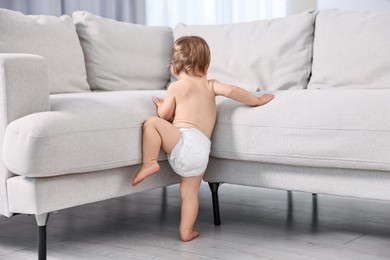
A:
[124, 56]
[261, 55]
[53, 38]
[351, 50]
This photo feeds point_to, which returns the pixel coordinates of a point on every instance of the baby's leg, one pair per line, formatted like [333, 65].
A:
[189, 191]
[157, 133]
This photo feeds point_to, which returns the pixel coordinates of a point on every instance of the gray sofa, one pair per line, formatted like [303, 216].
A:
[75, 93]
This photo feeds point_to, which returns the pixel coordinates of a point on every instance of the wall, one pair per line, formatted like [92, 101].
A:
[358, 5]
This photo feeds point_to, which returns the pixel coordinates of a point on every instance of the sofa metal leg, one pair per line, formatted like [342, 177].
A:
[290, 208]
[214, 193]
[42, 221]
[42, 243]
[314, 219]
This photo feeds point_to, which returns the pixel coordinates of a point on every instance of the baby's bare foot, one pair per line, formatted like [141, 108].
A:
[146, 170]
[264, 99]
[188, 236]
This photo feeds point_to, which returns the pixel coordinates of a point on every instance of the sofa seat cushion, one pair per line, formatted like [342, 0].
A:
[82, 132]
[319, 128]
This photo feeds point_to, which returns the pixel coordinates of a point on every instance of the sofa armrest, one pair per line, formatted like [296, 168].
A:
[24, 86]
[24, 90]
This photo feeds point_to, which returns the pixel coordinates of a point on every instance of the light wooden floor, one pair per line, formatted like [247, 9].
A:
[256, 224]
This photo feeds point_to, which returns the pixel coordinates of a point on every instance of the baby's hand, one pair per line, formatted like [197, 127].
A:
[264, 99]
[158, 101]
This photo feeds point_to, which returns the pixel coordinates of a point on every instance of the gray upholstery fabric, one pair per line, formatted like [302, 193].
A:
[53, 38]
[343, 182]
[23, 90]
[83, 132]
[261, 55]
[41, 195]
[124, 56]
[351, 50]
[319, 128]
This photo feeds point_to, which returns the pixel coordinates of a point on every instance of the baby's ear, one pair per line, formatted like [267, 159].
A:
[173, 70]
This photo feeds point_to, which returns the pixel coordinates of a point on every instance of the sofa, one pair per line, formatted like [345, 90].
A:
[75, 92]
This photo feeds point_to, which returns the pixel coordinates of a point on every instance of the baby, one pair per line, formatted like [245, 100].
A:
[190, 106]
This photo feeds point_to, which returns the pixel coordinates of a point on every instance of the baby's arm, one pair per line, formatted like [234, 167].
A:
[240, 95]
[165, 108]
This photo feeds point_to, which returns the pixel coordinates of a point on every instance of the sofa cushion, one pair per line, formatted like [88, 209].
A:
[53, 38]
[320, 128]
[260, 55]
[124, 56]
[351, 50]
[83, 132]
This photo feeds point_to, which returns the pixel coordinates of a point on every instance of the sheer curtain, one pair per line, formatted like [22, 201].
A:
[171, 12]
[121, 10]
[166, 12]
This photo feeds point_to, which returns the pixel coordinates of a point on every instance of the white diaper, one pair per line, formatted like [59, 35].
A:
[190, 156]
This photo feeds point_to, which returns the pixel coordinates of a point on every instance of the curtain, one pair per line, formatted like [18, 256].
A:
[121, 10]
[166, 12]
[171, 12]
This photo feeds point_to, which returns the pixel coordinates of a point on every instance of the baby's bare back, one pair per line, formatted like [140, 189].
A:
[195, 105]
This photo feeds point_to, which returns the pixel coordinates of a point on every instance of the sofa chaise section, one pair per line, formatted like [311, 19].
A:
[68, 149]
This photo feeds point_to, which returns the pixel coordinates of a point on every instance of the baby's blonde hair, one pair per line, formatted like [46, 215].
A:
[190, 54]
